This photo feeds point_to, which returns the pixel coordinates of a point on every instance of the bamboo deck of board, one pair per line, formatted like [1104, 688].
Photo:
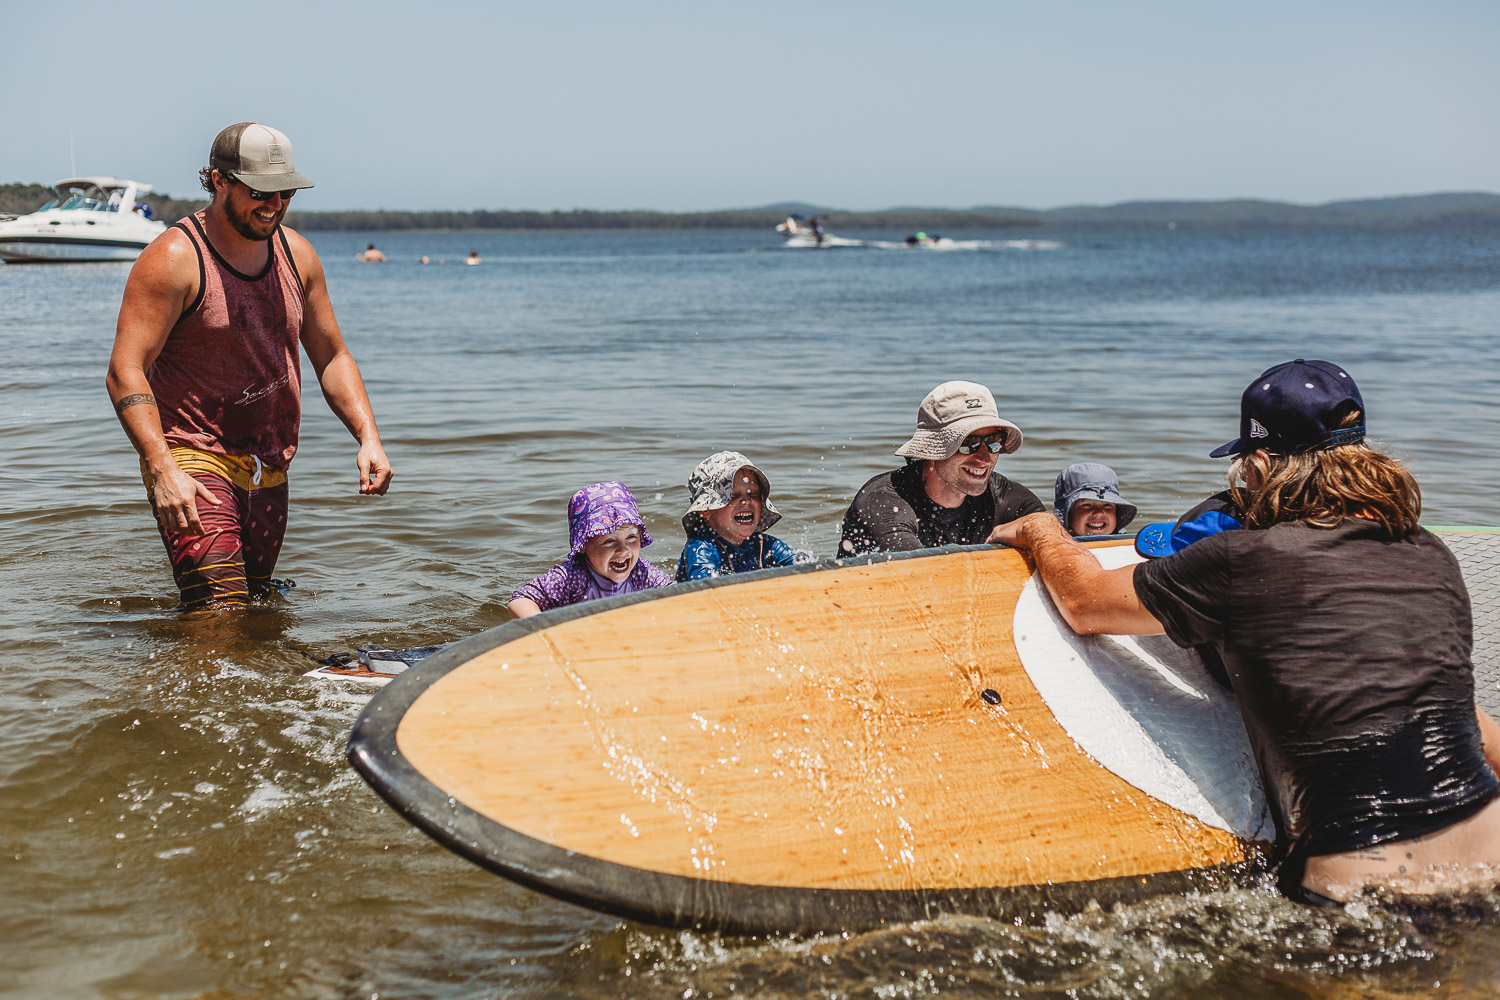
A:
[814, 730]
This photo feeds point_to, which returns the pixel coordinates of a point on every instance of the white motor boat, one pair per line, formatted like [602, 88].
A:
[92, 218]
[807, 231]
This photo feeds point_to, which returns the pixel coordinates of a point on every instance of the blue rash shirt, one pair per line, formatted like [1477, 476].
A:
[708, 554]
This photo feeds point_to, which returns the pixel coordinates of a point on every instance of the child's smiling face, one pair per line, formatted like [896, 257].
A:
[613, 556]
[1091, 517]
[736, 521]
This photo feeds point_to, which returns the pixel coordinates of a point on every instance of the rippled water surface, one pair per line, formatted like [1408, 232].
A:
[176, 814]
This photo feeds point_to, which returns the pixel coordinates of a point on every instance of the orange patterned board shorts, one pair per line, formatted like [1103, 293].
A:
[232, 560]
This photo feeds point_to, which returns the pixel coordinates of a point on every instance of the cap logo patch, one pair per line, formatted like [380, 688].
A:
[274, 153]
[973, 403]
[1257, 429]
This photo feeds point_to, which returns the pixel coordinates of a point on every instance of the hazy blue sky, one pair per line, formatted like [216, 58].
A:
[682, 106]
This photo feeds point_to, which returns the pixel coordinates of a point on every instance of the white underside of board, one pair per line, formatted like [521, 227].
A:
[1146, 710]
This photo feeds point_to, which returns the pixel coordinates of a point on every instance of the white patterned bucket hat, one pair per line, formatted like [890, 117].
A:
[712, 485]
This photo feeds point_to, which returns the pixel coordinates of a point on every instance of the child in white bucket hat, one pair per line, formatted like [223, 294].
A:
[728, 514]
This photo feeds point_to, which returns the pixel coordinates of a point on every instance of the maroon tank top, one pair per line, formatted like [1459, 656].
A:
[229, 378]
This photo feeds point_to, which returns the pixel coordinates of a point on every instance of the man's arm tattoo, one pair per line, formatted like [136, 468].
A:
[135, 399]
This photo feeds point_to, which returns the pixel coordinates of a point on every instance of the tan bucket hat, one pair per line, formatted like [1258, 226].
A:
[257, 155]
[952, 412]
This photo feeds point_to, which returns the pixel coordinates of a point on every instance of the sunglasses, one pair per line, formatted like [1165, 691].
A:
[994, 442]
[268, 195]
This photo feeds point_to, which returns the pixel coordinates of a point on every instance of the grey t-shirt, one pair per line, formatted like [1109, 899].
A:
[1349, 654]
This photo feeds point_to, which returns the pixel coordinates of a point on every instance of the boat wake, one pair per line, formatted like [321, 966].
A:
[933, 246]
[805, 232]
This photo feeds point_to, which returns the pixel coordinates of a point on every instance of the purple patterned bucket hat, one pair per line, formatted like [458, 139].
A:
[599, 510]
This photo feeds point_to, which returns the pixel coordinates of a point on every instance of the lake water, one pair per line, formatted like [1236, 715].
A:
[176, 813]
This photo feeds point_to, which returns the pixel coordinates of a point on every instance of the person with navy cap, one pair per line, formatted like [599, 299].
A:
[1346, 634]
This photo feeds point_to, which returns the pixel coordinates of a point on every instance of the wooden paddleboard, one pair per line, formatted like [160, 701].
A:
[833, 747]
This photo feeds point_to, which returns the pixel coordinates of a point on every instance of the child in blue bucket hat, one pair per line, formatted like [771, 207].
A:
[606, 535]
[729, 512]
[1087, 500]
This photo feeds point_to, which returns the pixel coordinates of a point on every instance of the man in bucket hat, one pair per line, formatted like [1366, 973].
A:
[1346, 635]
[948, 492]
[205, 374]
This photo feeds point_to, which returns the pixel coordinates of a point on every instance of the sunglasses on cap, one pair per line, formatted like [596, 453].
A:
[994, 442]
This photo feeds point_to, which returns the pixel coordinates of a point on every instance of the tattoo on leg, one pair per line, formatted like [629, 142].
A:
[135, 399]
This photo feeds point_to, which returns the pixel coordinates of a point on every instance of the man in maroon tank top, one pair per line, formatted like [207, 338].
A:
[206, 376]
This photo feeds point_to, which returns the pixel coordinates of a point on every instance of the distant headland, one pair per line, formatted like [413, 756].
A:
[1452, 210]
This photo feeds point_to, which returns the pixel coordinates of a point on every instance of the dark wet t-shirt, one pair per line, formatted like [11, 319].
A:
[1349, 654]
[893, 513]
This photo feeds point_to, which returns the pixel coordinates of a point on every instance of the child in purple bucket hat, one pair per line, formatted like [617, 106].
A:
[606, 535]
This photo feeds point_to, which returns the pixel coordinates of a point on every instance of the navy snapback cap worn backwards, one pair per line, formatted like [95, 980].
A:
[1296, 407]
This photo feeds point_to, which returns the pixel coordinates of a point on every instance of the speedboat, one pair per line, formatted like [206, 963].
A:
[92, 218]
[807, 231]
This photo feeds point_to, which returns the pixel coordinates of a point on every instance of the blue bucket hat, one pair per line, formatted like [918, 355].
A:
[1295, 407]
[1090, 481]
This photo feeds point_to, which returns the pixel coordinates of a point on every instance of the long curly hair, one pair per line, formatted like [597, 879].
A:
[1324, 487]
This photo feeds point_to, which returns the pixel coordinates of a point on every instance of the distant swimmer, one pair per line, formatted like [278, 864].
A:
[1347, 636]
[426, 259]
[473, 258]
[370, 255]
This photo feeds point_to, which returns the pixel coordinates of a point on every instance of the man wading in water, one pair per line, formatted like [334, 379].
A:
[206, 378]
[1346, 632]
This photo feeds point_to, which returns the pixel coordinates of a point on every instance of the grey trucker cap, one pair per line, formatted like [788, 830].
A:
[257, 155]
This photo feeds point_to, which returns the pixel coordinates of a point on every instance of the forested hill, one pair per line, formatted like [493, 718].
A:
[1420, 211]
[1452, 210]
